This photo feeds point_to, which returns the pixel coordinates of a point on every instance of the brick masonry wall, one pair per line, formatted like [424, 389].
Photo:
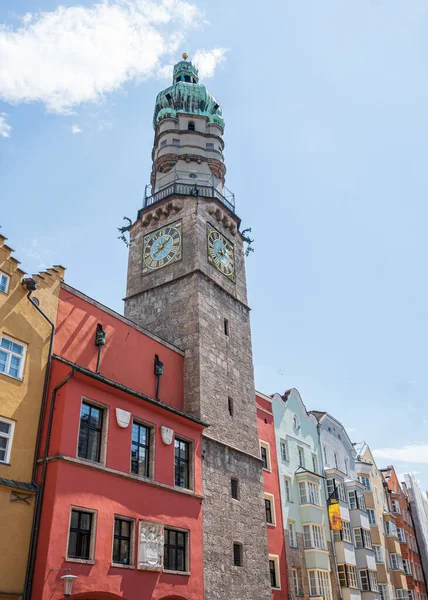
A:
[296, 559]
[335, 588]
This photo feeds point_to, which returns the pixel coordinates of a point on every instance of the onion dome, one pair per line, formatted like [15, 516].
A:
[186, 95]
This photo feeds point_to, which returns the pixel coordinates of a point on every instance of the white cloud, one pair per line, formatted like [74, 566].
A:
[79, 54]
[76, 129]
[5, 128]
[412, 453]
[207, 61]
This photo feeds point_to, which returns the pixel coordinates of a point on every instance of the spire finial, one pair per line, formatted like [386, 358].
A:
[185, 56]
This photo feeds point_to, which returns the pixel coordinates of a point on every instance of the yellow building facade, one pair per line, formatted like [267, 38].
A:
[25, 337]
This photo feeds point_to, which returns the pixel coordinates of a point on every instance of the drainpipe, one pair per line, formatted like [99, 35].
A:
[333, 543]
[158, 370]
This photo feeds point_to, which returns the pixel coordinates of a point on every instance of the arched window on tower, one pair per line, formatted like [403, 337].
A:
[187, 78]
[191, 126]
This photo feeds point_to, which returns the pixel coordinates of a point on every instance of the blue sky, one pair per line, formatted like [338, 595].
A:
[326, 144]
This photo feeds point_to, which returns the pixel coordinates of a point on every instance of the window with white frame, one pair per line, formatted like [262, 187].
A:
[407, 566]
[287, 489]
[319, 584]
[384, 592]
[365, 481]
[362, 538]
[330, 487]
[336, 460]
[390, 528]
[12, 357]
[301, 454]
[346, 466]
[341, 491]
[352, 496]
[314, 463]
[346, 531]
[401, 594]
[333, 485]
[396, 561]
[361, 501]
[324, 449]
[265, 455]
[347, 576]
[388, 560]
[309, 493]
[275, 581]
[314, 537]
[296, 581]
[378, 550]
[284, 450]
[372, 516]
[292, 534]
[368, 580]
[270, 509]
[367, 539]
[4, 282]
[395, 505]
[401, 535]
[7, 428]
[358, 538]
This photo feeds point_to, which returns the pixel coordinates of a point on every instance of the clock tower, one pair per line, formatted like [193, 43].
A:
[186, 283]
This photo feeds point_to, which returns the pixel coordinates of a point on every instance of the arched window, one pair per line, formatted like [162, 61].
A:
[191, 126]
[187, 78]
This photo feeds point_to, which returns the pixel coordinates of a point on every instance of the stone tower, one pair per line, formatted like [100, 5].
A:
[187, 284]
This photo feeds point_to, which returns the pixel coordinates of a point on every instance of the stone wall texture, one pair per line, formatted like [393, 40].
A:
[186, 303]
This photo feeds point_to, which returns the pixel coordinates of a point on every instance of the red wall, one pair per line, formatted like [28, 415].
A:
[276, 543]
[128, 354]
[110, 489]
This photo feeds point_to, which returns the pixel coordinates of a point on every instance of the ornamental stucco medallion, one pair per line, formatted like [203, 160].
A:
[167, 434]
[150, 546]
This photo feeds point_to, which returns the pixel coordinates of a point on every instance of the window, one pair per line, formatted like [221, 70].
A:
[309, 493]
[336, 489]
[356, 500]
[401, 594]
[346, 532]
[265, 455]
[346, 466]
[401, 535]
[325, 455]
[81, 535]
[274, 572]
[284, 450]
[7, 428]
[314, 463]
[366, 482]
[182, 463]
[361, 501]
[191, 126]
[163, 143]
[287, 489]
[368, 581]
[314, 537]
[367, 539]
[336, 461]
[210, 146]
[319, 584]
[140, 450]
[362, 538]
[396, 562]
[378, 550]
[347, 576]
[358, 538]
[90, 432]
[237, 554]
[4, 282]
[390, 528]
[269, 511]
[296, 581]
[226, 327]
[331, 486]
[292, 534]
[12, 357]
[234, 488]
[372, 516]
[301, 456]
[341, 491]
[175, 550]
[395, 506]
[230, 406]
[123, 530]
[187, 79]
[407, 566]
[175, 142]
[384, 592]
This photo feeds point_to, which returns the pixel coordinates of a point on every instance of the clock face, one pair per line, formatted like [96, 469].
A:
[161, 247]
[221, 252]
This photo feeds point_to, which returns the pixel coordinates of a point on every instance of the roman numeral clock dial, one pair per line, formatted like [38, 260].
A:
[221, 253]
[162, 247]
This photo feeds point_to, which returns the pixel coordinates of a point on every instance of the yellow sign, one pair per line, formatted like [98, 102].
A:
[334, 516]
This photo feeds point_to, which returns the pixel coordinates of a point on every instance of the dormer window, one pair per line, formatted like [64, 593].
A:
[191, 126]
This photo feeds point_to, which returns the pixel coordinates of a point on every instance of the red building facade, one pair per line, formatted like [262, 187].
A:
[272, 498]
[120, 469]
[406, 533]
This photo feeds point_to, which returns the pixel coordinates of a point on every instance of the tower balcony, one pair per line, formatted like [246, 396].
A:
[184, 183]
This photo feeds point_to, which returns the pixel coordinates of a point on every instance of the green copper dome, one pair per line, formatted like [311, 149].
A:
[186, 95]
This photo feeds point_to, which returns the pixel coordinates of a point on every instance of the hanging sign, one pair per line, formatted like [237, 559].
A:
[334, 516]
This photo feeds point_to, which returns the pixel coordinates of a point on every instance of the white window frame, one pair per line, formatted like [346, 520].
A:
[346, 526]
[395, 506]
[91, 559]
[9, 354]
[275, 559]
[322, 582]
[384, 591]
[266, 445]
[283, 447]
[271, 499]
[314, 463]
[324, 449]
[287, 489]
[301, 456]
[346, 466]
[401, 535]
[396, 561]
[407, 566]
[296, 582]
[292, 537]
[314, 537]
[132, 543]
[9, 438]
[372, 516]
[378, 550]
[7, 277]
[336, 460]
[308, 496]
